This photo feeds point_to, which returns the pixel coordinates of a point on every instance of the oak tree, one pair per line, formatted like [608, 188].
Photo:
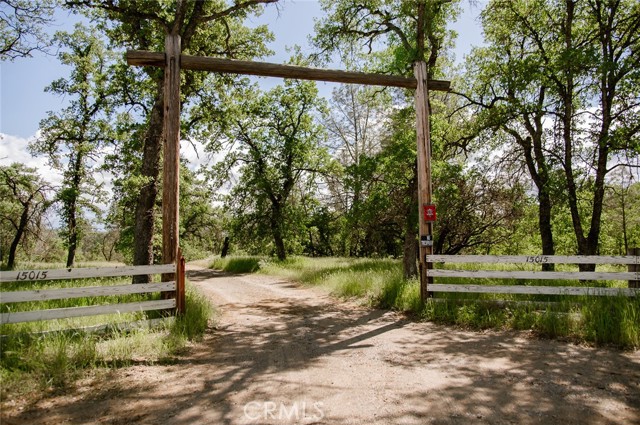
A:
[207, 28]
[275, 141]
[24, 198]
[72, 138]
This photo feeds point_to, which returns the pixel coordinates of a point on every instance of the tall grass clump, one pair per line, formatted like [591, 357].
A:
[32, 362]
[50, 355]
[612, 320]
[344, 277]
[554, 324]
[233, 264]
[401, 294]
[471, 315]
[193, 324]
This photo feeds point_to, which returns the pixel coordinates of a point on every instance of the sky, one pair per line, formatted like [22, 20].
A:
[23, 101]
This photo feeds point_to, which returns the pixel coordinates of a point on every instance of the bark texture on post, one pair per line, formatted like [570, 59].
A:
[424, 169]
[171, 146]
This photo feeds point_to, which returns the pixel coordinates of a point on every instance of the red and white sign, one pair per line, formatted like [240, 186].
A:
[429, 211]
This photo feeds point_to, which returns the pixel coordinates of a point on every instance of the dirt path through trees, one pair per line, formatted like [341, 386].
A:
[282, 354]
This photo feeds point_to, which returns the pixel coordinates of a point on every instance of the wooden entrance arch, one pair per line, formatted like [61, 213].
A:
[172, 60]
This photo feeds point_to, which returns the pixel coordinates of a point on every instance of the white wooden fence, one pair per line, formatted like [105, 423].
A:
[176, 286]
[632, 261]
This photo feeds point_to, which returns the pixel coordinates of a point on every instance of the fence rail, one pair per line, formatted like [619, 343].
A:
[87, 291]
[631, 276]
[176, 287]
[537, 259]
[84, 273]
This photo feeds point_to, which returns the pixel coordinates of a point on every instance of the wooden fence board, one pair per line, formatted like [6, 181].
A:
[534, 290]
[88, 291]
[504, 274]
[123, 326]
[535, 259]
[81, 273]
[64, 313]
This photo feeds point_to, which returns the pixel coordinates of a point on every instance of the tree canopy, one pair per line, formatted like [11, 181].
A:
[536, 150]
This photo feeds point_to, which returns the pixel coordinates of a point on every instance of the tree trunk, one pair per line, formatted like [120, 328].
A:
[71, 205]
[410, 257]
[279, 242]
[567, 91]
[145, 206]
[24, 219]
[538, 170]
[409, 267]
[225, 247]
[73, 237]
[276, 230]
[544, 222]
[12, 251]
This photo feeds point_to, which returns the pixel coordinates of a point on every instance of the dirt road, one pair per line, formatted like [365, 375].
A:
[292, 355]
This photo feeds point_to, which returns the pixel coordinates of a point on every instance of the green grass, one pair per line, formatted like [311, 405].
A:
[597, 320]
[237, 264]
[344, 277]
[51, 355]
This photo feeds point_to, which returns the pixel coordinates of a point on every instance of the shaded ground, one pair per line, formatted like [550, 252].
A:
[285, 354]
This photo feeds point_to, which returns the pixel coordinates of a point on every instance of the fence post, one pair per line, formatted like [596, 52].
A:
[425, 228]
[634, 268]
[180, 284]
[171, 154]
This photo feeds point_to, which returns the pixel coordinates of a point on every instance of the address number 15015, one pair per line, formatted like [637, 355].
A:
[32, 275]
[537, 259]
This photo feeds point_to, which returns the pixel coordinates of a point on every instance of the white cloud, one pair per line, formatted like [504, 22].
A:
[15, 149]
[195, 154]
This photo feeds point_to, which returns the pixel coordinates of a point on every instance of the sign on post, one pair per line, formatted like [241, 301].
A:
[429, 211]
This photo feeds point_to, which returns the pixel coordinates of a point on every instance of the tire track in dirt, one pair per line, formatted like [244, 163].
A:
[283, 354]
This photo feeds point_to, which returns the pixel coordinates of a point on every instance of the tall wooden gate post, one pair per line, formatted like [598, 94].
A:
[171, 146]
[424, 173]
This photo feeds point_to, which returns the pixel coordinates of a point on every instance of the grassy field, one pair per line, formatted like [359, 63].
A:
[379, 283]
[52, 354]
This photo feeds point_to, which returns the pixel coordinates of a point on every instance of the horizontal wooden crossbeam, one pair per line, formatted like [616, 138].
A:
[266, 69]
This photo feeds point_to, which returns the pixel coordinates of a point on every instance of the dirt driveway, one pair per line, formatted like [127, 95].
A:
[292, 355]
